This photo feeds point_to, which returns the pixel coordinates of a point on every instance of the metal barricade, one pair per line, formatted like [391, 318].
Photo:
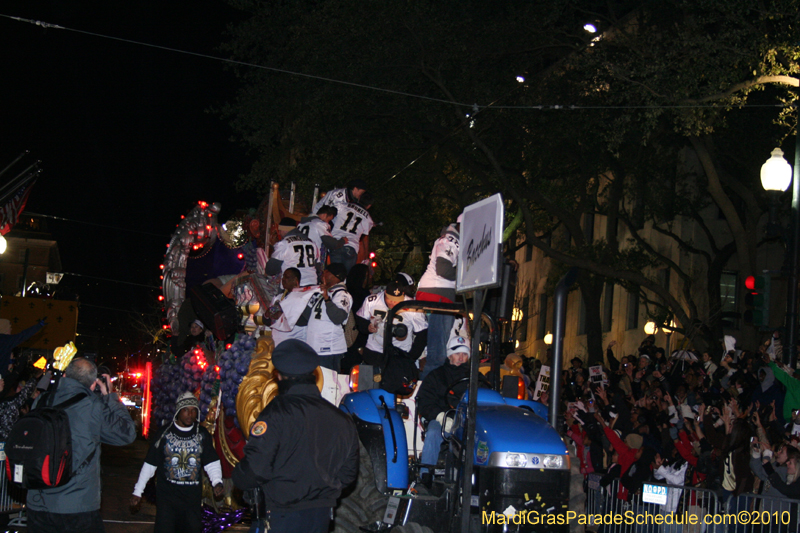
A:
[12, 499]
[765, 514]
[684, 509]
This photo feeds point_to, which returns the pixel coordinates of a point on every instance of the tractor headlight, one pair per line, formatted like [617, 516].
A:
[553, 461]
[516, 460]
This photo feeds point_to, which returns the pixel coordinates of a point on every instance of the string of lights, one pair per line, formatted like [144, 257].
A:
[473, 106]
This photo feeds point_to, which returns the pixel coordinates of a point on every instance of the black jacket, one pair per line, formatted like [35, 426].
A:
[302, 452]
[432, 395]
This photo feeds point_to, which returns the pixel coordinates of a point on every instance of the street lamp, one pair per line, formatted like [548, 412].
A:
[650, 328]
[3, 244]
[776, 174]
[548, 339]
[669, 329]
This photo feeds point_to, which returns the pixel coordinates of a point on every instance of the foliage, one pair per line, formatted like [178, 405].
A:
[641, 125]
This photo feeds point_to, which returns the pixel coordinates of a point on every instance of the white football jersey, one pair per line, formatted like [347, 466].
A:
[315, 229]
[445, 247]
[352, 222]
[322, 334]
[375, 306]
[334, 197]
[300, 252]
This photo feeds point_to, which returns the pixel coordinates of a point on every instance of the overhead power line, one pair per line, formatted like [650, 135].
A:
[473, 106]
[116, 228]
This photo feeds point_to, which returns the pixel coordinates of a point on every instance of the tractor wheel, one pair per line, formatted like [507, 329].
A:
[411, 527]
[363, 504]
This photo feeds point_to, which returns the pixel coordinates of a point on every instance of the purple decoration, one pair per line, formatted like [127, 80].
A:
[214, 522]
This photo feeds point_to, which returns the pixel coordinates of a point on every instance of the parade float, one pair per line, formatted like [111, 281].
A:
[213, 272]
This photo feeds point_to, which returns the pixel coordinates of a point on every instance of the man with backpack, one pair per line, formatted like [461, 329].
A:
[94, 419]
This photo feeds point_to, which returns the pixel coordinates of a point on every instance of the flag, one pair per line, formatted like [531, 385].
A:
[15, 204]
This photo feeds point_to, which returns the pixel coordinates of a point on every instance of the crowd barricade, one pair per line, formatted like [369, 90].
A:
[766, 514]
[12, 499]
[658, 508]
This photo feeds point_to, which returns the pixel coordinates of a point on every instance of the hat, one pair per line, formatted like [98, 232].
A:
[357, 183]
[457, 345]
[187, 399]
[394, 294]
[644, 356]
[578, 359]
[294, 357]
[404, 278]
[199, 324]
[338, 270]
[634, 440]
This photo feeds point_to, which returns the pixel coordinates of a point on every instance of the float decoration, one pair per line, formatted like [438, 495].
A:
[62, 356]
[197, 231]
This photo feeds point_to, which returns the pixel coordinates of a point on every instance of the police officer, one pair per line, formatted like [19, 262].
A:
[302, 450]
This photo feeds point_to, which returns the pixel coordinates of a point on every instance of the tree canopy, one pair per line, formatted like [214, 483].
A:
[669, 109]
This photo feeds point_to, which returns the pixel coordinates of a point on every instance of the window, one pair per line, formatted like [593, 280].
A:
[588, 227]
[662, 275]
[633, 310]
[528, 252]
[541, 328]
[608, 307]
[582, 318]
[728, 291]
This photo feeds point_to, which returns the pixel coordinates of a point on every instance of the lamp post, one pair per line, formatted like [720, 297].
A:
[776, 174]
[650, 328]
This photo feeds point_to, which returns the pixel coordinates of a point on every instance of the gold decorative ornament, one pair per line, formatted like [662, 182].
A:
[260, 385]
[63, 356]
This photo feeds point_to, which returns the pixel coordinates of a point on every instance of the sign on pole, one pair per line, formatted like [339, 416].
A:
[480, 242]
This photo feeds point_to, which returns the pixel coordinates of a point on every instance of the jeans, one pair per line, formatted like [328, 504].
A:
[345, 255]
[439, 327]
[432, 445]
[331, 362]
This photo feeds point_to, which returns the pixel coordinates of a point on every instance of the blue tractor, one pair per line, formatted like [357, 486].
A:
[520, 467]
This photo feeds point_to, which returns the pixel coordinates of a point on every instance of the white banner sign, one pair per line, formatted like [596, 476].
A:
[54, 277]
[479, 245]
[542, 383]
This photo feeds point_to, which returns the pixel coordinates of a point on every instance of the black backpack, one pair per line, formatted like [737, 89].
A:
[39, 447]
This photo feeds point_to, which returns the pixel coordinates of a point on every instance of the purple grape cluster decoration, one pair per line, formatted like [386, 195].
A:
[233, 366]
[168, 387]
[194, 365]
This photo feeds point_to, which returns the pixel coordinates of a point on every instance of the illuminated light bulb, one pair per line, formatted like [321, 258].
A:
[372, 255]
[208, 227]
[240, 256]
[160, 297]
[161, 267]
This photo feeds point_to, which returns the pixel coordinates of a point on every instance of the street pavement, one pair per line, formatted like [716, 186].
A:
[121, 467]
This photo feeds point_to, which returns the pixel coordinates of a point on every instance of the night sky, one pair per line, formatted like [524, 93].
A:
[124, 134]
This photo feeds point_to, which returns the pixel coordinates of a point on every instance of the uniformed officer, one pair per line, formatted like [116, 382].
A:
[302, 450]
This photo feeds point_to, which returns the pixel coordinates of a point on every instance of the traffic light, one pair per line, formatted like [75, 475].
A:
[756, 300]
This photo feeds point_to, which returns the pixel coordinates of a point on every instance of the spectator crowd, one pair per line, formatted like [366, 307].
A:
[683, 419]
